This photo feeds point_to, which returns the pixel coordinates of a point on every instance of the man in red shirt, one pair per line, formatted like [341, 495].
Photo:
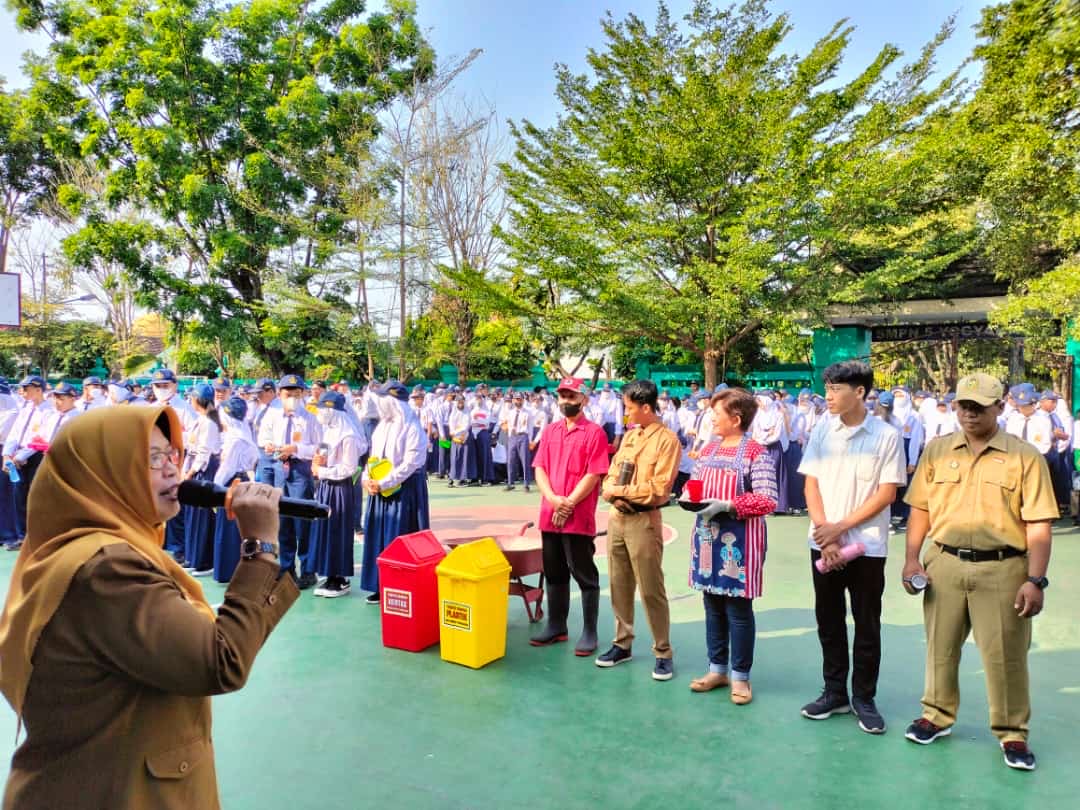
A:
[569, 463]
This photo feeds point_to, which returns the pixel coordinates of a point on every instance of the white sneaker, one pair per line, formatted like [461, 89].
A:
[333, 587]
[205, 573]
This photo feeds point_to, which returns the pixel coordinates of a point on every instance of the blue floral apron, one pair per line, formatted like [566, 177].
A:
[718, 550]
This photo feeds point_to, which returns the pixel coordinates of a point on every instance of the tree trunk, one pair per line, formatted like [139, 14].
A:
[708, 364]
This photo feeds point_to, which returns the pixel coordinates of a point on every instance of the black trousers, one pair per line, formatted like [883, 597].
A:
[570, 554]
[22, 490]
[864, 579]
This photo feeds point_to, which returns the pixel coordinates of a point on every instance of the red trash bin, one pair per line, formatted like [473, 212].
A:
[409, 590]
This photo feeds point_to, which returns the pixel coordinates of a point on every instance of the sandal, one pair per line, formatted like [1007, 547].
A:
[708, 682]
[741, 693]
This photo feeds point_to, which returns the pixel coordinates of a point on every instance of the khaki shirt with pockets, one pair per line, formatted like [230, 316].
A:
[982, 502]
[655, 452]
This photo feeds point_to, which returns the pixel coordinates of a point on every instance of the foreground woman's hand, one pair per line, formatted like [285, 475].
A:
[256, 510]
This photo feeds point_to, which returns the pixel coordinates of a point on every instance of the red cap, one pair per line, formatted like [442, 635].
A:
[574, 384]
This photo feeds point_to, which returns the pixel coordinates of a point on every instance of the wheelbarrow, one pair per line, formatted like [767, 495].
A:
[524, 562]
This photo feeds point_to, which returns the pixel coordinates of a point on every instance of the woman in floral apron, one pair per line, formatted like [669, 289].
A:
[728, 547]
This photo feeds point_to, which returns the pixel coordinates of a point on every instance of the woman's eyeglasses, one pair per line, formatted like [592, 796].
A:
[159, 457]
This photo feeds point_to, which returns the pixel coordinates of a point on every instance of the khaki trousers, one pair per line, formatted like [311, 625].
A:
[635, 558]
[977, 596]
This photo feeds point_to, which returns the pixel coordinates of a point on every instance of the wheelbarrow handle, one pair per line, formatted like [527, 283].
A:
[601, 534]
[525, 527]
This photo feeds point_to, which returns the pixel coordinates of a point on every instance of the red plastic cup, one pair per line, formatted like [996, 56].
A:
[693, 490]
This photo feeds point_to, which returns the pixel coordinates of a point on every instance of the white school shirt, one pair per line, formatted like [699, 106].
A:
[849, 465]
[343, 459]
[1040, 430]
[29, 422]
[257, 414]
[57, 420]
[237, 456]
[205, 441]
[459, 422]
[518, 422]
[276, 422]
[404, 444]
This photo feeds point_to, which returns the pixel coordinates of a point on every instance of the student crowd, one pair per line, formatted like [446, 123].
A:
[855, 460]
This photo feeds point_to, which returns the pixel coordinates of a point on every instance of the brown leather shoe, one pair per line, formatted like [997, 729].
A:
[741, 693]
[708, 682]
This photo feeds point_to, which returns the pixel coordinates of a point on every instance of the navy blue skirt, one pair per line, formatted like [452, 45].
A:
[226, 546]
[796, 489]
[332, 539]
[404, 512]
[463, 461]
[776, 456]
[199, 526]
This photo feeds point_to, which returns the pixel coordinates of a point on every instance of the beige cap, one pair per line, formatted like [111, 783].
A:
[980, 388]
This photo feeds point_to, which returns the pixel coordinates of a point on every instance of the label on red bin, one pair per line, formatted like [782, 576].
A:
[457, 616]
[397, 602]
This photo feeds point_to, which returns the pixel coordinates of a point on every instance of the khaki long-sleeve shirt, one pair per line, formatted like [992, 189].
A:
[655, 452]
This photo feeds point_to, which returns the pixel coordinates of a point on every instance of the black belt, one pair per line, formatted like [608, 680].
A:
[977, 555]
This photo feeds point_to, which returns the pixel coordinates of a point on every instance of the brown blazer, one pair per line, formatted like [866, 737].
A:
[117, 713]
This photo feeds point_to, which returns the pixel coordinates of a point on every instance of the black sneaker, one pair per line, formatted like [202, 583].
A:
[663, 670]
[508, 487]
[1018, 755]
[826, 706]
[14, 545]
[450, 483]
[372, 599]
[306, 581]
[923, 732]
[527, 489]
[870, 720]
[616, 655]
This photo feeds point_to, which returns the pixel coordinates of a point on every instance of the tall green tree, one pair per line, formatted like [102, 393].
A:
[702, 185]
[215, 119]
[26, 164]
[1024, 141]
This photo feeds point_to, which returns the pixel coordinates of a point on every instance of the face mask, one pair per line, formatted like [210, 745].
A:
[570, 409]
[289, 403]
[323, 415]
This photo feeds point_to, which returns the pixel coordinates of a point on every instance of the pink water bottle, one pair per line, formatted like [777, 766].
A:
[848, 552]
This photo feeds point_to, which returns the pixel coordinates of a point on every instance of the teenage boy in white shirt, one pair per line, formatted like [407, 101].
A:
[853, 465]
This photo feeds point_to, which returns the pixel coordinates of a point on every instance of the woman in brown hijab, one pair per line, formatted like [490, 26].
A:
[108, 649]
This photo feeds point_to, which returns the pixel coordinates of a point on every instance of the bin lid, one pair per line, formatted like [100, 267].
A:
[413, 550]
[479, 559]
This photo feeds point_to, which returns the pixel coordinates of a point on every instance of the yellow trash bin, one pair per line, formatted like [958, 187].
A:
[473, 584]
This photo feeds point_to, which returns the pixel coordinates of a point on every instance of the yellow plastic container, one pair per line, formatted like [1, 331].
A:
[473, 585]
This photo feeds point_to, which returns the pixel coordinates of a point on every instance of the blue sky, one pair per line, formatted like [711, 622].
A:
[523, 39]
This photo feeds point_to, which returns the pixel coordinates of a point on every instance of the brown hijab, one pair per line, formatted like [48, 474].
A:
[92, 490]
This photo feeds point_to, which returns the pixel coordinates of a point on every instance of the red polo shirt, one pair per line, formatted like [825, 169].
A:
[568, 454]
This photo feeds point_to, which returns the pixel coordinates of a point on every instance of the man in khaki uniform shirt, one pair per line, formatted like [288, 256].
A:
[986, 501]
[635, 535]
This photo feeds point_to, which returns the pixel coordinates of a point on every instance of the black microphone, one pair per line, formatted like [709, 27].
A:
[208, 495]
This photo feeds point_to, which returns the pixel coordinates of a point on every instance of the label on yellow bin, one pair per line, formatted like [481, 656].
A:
[457, 616]
[397, 603]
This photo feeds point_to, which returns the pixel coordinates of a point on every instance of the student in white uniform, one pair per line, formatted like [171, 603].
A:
[201, 462]
[334, 466]
[1028, 422]
[23, 447]
[239, 455]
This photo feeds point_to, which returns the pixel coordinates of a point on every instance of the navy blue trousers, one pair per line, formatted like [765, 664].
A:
[294, 537]
[518, 460]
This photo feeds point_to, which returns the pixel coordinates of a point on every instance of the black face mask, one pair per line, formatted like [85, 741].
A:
[570, 409]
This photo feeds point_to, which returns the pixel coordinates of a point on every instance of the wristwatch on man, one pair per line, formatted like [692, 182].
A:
[249, 547]
[1039, 582]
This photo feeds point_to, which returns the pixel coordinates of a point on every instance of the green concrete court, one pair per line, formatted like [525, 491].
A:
[330, 718]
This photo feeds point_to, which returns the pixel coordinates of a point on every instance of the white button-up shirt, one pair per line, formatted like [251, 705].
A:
[849, 465]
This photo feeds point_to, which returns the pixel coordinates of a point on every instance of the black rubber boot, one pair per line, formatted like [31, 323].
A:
[558, 607]
[590, 609]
